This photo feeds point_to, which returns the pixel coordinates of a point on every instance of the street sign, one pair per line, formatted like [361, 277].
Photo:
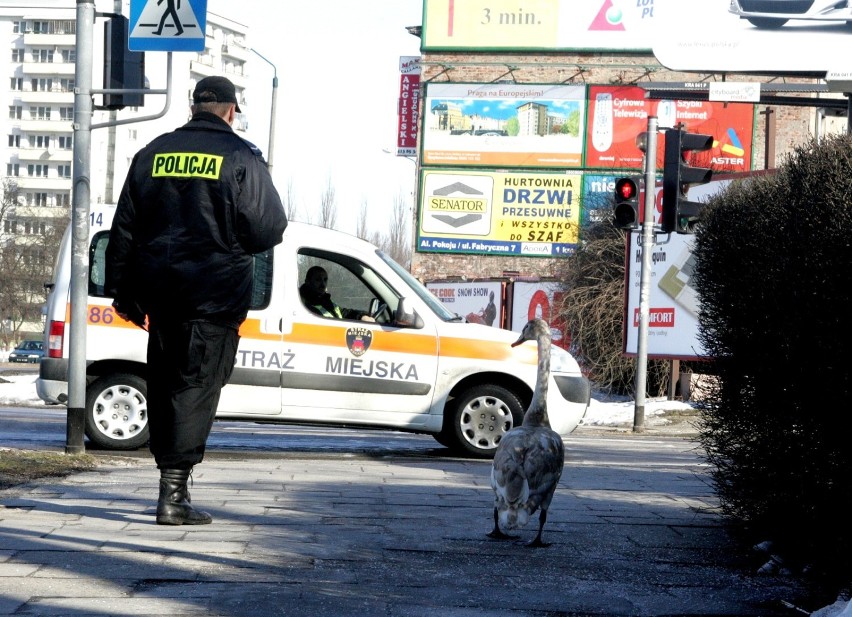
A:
[167, 25]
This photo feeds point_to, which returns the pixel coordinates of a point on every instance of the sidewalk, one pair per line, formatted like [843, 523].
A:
[633, 527]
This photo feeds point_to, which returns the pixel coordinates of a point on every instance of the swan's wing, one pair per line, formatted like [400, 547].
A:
[508, 472]
[543, 467]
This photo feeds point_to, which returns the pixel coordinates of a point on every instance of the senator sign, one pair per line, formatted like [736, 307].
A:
[499, 213]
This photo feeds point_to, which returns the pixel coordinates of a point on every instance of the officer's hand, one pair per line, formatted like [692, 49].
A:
[130, 311]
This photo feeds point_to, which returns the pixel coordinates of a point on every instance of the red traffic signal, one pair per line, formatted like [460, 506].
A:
[627, 202]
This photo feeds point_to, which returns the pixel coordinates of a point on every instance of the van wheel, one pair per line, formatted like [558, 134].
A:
[477, 419]
[117, 412]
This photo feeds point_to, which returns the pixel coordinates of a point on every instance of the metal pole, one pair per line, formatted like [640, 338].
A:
[269, 158]
[83, 108]
[645, 278]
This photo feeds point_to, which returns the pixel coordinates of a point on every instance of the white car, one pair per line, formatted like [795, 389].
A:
[416, 368]
[776, 13]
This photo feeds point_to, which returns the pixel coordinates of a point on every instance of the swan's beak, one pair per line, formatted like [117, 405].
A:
[520, 340]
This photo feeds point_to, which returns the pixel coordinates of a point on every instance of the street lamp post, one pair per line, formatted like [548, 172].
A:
[269, 158]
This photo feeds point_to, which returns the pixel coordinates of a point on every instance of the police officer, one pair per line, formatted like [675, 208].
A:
[197, 203]
[315, 296]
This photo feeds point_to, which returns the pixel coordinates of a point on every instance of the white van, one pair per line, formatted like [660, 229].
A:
[418, 368]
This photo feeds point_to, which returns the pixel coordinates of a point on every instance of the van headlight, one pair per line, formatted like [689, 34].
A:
[562, 362]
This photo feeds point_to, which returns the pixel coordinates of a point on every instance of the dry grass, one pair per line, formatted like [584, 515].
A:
[21, 466]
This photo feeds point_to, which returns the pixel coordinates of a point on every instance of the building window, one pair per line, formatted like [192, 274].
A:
[10, 226]
[17, 84]
[41, 27]
[43, 84]
[42, 56]
[63, 200]
[64, 171]
[39, 141]
[66, 85]
[69, 55]
[14, 141]
[18, 26]
[37, 171]
[13, 169]
[15, 112]
[39, 113]
[17, 55]
[65, 143]
[66, 113]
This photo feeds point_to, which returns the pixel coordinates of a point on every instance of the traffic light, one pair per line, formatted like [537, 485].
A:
[627, 202]
[680, 214]
[123, 69]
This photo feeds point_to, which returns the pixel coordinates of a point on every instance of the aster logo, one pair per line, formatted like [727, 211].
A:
[732, 150]
[358, 340]
[610, 17]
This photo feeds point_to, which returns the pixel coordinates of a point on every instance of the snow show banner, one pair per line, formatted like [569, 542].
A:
[503, 125]
[499, 213]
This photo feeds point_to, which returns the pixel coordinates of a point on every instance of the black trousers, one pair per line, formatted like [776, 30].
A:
[188, 364]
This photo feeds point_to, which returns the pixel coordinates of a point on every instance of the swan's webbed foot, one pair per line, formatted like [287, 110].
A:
[496, 534]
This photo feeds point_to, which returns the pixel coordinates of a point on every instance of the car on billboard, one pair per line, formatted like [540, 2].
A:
[776, 13]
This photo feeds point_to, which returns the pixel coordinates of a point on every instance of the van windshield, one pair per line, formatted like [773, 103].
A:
[424, 294]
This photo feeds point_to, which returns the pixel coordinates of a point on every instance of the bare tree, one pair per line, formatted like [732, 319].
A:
[361, 229]
[28, 246]
[290, 201]
[328, 207]
[398, 243]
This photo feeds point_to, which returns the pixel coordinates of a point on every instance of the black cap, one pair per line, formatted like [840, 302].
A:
[215, 90]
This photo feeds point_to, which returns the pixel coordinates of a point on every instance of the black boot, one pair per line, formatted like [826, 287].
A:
[173, 506]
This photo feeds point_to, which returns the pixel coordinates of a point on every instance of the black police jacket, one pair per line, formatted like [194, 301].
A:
[197, 203]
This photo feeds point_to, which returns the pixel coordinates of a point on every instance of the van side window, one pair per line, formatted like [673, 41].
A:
[261, 291]
[97, 264]
[353, 286]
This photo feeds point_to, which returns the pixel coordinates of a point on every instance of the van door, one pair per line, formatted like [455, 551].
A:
[255, 385]
[348, 369]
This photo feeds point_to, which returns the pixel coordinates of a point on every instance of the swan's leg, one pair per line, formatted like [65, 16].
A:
[537, 543]
[496, 533]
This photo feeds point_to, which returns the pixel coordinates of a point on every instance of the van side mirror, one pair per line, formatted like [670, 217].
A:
[405, 315]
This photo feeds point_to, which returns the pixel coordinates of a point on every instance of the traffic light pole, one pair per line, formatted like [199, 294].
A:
[645, 276]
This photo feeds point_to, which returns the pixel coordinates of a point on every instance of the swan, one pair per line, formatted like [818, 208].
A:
[529, 459]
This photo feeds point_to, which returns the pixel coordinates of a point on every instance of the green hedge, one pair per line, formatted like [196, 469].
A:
[774, 275]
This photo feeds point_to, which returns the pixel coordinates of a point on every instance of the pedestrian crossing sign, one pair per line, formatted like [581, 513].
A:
[167, 25]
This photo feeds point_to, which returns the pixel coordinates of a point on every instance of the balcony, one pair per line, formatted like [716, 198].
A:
[43, 184]
[45, 126]
[65, 69]
[49, 40]
[40, 155]
[46, 97]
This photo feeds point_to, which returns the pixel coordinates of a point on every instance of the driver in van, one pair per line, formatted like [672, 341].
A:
[314, 294]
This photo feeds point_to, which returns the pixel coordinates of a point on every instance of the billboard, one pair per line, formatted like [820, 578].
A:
[503, 125]
[476, 301]
[579, 25]
[809, 37]
[531, 213]
[540, 299]
[409, 101]
[673, 301]
[617, 114]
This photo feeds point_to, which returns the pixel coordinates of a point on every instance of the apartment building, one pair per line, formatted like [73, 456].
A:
[36, 149]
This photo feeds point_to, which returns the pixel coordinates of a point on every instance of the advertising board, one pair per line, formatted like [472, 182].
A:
[617, 114]
[503, 125]
[499, 213]
[540, 299]
[476, 301]
[761, 36]
[582, 25]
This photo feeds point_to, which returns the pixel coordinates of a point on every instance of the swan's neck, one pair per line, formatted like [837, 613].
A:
[536, 415]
